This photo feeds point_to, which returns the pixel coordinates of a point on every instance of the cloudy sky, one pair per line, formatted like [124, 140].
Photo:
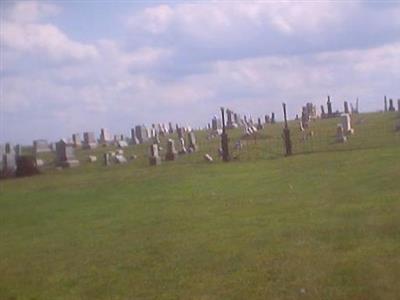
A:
[74, 66]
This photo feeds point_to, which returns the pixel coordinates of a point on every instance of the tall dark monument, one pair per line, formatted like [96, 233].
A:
[385, 102]
[224, 139]
[329, 105]
[286, 133]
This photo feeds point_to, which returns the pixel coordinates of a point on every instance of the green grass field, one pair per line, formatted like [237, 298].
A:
[321, 224]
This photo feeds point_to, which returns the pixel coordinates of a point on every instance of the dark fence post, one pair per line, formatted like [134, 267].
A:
[286, 133]
[224, 139]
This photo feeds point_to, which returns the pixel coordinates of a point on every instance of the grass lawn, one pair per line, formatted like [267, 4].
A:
[320, 225]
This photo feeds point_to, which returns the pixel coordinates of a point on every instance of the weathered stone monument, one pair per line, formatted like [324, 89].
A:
[8, 166]
[134, 139]
[259, 124]
[171, 151]
[385, 103]
[329, 106]
[170, 128]
[40, 146]
[107, 159]
[180, 132]
[391, 105]
[26, 166]
[346, 107]
[193, 147]
[65, 155]
[340, 136]
[141, 134]
[286, 133]
[154, 157]
[272, 118]
[76, 140]
[224, 139]
[89, 140]
[105, 137]
[182, 149]
[346, 124]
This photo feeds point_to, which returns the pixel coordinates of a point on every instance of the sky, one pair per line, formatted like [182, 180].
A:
[75, 66]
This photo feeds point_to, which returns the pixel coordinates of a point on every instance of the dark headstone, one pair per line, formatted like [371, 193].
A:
[171, 152]
[26, 166]
[272, 118]
[346, 107]
[329, 106]
[391, 105]
[65, 155]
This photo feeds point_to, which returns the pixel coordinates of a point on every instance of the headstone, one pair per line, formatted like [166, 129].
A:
[106, 159]
[105, 137]
[180, 132]
[18, 150]
[170, 128]
[8, 165]
[259, 125]
[340, 136]
[171, 152]
[121, 144]
[154, 157]
[329, 105]
[193, 147]
[398, 105]
[120, 159]
[26, 166]
[134, 139]
[89, 140]
[301, 127]
[266, 119]
[346, 124]
[92, 158]
[65, 155]
[322, 112]
[346, 107]
[391, 105]
[385, 103]
[119, 152]
[208, 158]
[40, 146]
[76, 140]
[182, 149]
[238, 145]
[39, 163]
[272, 118]
[141, 134]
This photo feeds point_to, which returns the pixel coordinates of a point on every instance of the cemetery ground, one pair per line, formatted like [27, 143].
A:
[321, 224]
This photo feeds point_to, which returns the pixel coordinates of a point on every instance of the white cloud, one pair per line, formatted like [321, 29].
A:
[44, 39]
[30, 11]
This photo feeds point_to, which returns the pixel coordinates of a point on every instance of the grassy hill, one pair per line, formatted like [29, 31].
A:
[321, 224]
